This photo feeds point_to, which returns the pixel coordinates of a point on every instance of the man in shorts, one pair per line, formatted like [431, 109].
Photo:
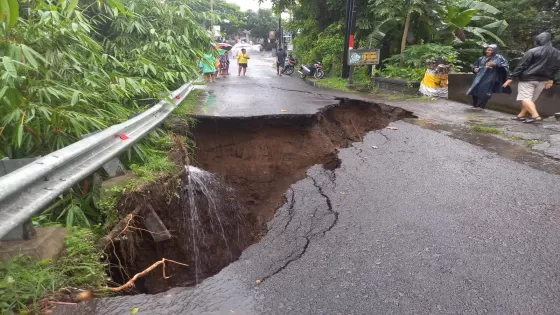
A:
[280, 61]
[535, 72]
[242, 59]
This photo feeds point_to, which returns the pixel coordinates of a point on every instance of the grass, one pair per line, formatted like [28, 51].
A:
[188, 105]
[404, 97]
[335, 83]
[485, 129]
[530, 143]
[24, 282]
[516, 138]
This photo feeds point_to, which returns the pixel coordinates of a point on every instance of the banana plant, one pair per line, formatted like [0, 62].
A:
[469, 21]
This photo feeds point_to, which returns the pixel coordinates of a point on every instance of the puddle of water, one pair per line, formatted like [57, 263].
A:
[493, 144]
[207, 102]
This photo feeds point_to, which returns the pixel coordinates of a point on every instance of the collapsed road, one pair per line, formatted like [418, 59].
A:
[404, 220]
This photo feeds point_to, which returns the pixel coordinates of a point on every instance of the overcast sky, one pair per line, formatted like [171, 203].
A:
[251, 4]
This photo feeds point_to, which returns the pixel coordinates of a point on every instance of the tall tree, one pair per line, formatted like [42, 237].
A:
[261, 22]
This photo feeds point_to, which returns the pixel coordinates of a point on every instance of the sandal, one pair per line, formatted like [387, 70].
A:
[532, 120]
[517, 118]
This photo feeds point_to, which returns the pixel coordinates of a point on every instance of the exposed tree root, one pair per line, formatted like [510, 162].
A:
[130, 283]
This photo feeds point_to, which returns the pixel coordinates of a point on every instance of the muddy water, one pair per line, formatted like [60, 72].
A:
[258, 158]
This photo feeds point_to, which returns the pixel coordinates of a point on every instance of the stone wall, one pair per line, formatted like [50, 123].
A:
[547, 104]
[397, 85]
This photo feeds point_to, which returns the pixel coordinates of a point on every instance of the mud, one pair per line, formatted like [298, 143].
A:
[259, 158]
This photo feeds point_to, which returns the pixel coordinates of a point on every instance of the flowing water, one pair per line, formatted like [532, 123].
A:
[209, 208]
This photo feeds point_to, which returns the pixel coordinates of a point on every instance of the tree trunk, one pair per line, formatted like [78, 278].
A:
[405, 35]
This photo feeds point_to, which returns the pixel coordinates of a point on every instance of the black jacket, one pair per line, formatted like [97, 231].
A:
[541, 63]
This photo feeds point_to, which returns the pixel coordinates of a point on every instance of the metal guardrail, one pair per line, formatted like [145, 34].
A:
[29, 189]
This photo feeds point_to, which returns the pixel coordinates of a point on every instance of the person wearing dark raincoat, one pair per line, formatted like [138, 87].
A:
[492, 71]
[536, 72]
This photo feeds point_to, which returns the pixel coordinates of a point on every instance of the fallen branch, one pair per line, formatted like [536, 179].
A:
[130, 283]
[121, 227]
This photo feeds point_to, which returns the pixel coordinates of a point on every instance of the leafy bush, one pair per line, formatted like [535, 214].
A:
[416, 60]
[418, 56]
[409, 73]
[23, 281]
[327, 47]
[66, 72]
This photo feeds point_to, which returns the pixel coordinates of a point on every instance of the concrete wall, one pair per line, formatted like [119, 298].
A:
[547, 104]
[397, 85]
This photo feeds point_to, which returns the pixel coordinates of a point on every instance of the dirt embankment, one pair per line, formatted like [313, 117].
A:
[259, 157]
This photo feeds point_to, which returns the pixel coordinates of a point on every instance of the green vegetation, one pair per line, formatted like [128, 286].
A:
[530, 143]
[413, 65]
[24, 282]
[454, 29]
[335, 83]
[68, 70]
[485, 129]
[516, 138]
[232, 20]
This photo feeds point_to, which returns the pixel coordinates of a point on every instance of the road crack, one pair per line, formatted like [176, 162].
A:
[290, 260]
[329, 204]
[294, 256]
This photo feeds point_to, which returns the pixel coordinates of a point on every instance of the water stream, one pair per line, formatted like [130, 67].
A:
[208, 205]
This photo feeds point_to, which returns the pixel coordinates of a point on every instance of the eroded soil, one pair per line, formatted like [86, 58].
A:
[259, 157]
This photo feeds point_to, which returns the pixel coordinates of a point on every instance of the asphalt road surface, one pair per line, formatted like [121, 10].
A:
[424, 224]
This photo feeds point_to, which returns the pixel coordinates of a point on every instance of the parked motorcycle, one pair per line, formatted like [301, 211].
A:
[315, 70]
[289, 67]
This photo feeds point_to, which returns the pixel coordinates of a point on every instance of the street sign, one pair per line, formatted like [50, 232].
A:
[358, 57]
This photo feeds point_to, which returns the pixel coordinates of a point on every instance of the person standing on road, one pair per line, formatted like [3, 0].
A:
[536, 71]
[208, 66]
[280, 61]
[242, 60]
[492, 71]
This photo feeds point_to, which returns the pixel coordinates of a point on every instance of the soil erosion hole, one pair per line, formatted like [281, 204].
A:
[258, 158]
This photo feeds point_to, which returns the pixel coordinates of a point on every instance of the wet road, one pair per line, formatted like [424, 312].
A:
[261, 92]
[424, 224]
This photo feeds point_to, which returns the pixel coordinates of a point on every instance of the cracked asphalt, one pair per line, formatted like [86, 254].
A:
[414, 221]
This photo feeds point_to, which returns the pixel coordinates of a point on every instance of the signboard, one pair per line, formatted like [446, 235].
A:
[358, 57]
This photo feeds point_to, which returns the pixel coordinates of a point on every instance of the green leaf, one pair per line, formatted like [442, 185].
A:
[122, 83]
[4, 11]
[14, 12]
[19, 134]
[9, 65]
[75, 98]
[134, 310]
[75, 27]
[29, 56]
[477, 5]
[464, 18]
[72, 5]
[70, 216]
[3, 91]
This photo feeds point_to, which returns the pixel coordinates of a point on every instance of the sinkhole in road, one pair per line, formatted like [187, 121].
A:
[255, 160]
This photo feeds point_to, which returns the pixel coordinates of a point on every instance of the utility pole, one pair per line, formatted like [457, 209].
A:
[349, 25]
[280, 32]
[212, 20]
